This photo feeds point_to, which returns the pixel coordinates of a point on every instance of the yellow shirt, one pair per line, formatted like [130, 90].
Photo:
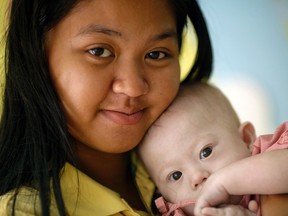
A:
[82, 196]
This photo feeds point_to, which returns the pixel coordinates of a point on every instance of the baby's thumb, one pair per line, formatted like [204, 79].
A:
[199, 205]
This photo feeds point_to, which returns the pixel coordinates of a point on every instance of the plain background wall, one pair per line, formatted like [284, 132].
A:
[250, 41]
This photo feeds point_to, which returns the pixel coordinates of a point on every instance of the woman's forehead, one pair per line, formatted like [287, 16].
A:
[123, 13]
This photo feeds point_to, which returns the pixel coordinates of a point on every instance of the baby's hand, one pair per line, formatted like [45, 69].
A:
[212, 194]
[227, 210]
[253, 206]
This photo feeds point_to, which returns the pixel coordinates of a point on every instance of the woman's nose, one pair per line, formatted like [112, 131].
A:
[130, 79]
[198, 179]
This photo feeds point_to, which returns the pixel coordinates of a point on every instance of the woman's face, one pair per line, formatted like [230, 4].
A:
[114, 64]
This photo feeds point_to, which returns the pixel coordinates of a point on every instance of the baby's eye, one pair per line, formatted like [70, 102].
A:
[206, 152]
[100, 52]
[156, 55]
[175, 176]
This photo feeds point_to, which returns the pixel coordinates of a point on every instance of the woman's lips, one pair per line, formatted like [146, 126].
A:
[123, 118]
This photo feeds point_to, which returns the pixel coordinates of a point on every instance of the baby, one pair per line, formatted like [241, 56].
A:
[198, 135]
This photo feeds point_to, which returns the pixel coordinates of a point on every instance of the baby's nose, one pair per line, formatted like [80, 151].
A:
[198, 179]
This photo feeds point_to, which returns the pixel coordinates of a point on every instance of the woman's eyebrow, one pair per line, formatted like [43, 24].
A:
[168, 34]
[94, 28]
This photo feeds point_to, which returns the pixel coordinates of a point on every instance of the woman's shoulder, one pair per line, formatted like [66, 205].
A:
[23, 201]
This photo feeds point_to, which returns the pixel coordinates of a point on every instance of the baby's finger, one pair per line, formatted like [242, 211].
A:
[227, 210]
[210, 211]
[199, 206]
[253, 206]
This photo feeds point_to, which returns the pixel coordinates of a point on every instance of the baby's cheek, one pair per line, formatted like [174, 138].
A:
[170, 194]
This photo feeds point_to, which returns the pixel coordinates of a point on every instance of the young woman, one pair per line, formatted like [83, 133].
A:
[84, 81]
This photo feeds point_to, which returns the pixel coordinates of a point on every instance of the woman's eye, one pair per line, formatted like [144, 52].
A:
[100, 52]
[206, 152]
[157, 55]
[175, 176]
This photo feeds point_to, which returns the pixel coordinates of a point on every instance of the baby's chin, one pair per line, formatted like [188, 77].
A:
[235, 200]
[188, 210]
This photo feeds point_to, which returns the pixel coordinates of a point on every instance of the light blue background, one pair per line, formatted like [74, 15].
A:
[250, 39]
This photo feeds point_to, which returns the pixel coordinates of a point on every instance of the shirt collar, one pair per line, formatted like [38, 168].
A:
[83, 195]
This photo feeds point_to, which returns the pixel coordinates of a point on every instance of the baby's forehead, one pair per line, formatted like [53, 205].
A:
[180, 107]
[160, 139]
[194, 104]
[181, 114]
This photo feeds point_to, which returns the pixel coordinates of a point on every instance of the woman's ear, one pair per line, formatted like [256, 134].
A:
[247, 133]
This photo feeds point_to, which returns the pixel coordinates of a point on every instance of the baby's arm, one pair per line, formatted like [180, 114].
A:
[265, 173]
[231, 210]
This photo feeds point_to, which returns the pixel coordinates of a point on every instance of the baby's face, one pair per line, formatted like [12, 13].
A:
[182, 152]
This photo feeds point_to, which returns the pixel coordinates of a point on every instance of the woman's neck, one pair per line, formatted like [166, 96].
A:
[110, 170]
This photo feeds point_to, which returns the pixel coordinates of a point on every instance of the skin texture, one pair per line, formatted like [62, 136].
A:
[261, 174]
[195, 137]
[218, 178]
[114, 64]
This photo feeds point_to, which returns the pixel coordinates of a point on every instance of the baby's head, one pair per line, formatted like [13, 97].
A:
[198, 134]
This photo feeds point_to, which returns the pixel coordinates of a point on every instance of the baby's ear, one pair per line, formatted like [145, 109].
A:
[247, 133]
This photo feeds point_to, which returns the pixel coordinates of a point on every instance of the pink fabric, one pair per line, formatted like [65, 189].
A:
[172, 209]
[270, 142]
[264, 143]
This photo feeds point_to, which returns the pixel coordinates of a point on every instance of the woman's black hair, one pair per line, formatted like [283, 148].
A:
[202, 67]
[34, 139]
